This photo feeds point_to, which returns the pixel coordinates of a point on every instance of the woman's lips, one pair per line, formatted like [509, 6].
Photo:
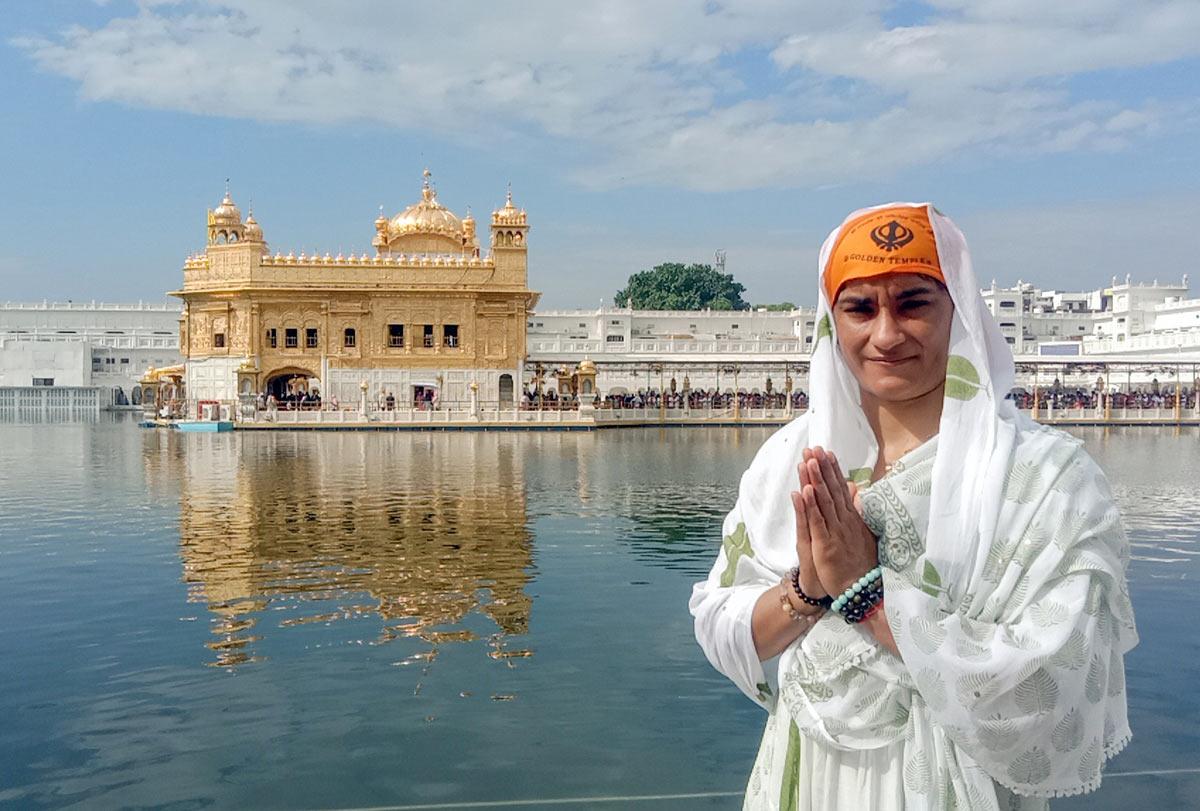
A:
[890, 361]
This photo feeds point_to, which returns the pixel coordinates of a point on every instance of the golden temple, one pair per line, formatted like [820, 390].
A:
[426, 319]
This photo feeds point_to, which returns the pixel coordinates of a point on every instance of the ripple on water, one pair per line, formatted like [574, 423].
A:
[328, 581]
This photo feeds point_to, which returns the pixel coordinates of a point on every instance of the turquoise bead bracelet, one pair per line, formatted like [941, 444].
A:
[856, 587]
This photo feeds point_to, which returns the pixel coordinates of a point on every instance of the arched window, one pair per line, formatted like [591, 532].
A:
[506, 390]
[349, 338]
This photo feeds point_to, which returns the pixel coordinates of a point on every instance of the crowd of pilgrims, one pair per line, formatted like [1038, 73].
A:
[1054, 396]
[1048, 397]
[1058, 396]
[294, 401]
[653, 398]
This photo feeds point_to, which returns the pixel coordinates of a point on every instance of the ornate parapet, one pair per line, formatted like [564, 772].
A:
[372, 273]
[395, 261]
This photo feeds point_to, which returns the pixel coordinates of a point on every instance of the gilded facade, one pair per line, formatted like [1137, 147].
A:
[424, 316]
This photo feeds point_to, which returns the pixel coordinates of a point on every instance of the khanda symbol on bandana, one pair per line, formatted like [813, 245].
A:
[891, 236]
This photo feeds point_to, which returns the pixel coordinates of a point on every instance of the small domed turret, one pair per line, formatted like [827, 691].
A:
[225, 222]
[227, 213]
[253, 231]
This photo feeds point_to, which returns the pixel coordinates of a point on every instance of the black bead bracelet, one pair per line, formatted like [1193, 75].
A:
[815, 602]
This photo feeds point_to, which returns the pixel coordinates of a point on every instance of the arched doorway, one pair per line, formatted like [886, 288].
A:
[506, 390]
[289, 381]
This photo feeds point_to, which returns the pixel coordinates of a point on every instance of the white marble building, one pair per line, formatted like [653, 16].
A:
[44, 341]
[1126, 321]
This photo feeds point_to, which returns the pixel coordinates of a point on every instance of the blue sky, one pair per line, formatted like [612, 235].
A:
[1062, 137]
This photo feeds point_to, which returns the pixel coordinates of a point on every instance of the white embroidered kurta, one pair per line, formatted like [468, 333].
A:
[1004, 574]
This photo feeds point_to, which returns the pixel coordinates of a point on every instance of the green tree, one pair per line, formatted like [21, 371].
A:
[780, 307]
[675, 286]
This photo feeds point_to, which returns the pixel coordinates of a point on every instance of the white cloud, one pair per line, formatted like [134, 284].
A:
[997, 45]
[652, 93]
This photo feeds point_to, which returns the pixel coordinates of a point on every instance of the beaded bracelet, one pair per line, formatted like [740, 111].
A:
[855, 603]
[790, 610]
[815, 602]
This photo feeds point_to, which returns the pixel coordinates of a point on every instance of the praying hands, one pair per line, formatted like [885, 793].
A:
[833, 543]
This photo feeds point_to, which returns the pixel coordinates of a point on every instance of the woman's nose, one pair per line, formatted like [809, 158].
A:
[886, 333]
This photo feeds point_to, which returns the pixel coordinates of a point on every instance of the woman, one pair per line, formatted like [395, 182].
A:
[972, 656]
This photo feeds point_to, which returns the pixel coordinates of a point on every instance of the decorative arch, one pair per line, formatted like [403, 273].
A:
[276, 381]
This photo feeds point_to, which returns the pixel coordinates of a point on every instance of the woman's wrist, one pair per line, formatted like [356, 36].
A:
[860, 599]
[850, 577]
[815, 597]
[796, 601]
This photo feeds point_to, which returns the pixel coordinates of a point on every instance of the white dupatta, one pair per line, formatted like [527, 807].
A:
[1004, 579]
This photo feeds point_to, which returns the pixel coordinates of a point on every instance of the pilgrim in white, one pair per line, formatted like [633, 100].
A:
[922, 587]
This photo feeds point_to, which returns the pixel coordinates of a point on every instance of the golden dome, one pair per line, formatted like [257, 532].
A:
[253, 230]
[227, 213]
[427, 216]
[586, 366]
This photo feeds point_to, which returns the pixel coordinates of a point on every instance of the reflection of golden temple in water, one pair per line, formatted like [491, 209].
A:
[417, 533]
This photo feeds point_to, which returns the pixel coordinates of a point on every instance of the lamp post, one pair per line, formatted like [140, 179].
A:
[538, 371]
[737, 405]
[662, 401]
[1107, 396]
[474, 387]
[362, 400]
[1034, 412]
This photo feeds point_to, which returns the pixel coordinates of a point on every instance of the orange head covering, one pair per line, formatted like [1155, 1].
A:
[898, 239]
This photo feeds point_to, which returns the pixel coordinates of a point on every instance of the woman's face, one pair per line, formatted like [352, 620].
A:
[894, 333]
